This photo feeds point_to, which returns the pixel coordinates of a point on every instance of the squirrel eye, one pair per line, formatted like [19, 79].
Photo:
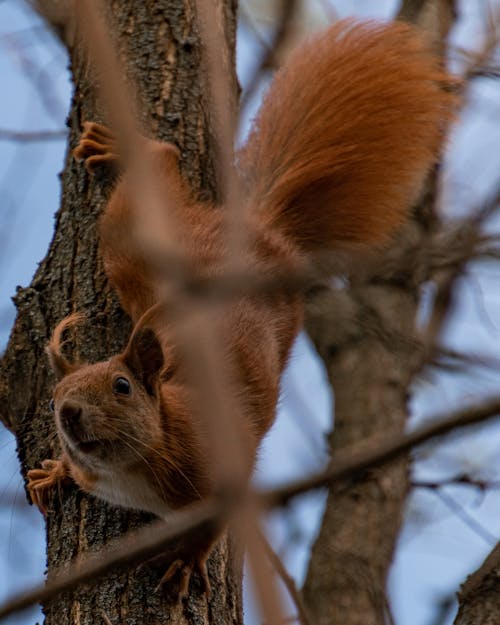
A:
[51, 404]
[121, 386]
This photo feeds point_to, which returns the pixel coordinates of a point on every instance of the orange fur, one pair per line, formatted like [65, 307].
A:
[347, 134]
[340, 150]
[58, 362]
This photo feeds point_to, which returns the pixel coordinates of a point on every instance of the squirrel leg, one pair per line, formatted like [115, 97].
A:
[125, 263]
[97, 146]
[41, 482]
[184, 569]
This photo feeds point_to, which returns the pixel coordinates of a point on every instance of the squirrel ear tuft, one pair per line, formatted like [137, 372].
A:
[144, 357]
[60, 365]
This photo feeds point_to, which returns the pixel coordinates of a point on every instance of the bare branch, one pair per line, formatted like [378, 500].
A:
[375, 452]
[132, 549]
[271, 52]
[479, 60]
[466, 518]
[24, 136]
[41, 77]
[458, 480]
[144, 544]
[288, 581]
[262, 575]
[454, 360]
[434, 17]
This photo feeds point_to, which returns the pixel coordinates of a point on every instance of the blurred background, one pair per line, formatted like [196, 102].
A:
[448, 530]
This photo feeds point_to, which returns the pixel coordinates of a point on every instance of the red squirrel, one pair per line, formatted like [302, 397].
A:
[338, 154]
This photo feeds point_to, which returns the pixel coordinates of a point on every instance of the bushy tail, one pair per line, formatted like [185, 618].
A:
[347, 134]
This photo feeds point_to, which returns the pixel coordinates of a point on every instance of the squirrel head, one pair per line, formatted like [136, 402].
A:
[125, 424]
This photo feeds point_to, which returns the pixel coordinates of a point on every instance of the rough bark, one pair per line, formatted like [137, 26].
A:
[479, 597]
[365, 336]
[160, 46]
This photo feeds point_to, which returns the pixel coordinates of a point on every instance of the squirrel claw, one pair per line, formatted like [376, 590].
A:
[185, 571]
[96, 147]
[42, 481]
[98, 130]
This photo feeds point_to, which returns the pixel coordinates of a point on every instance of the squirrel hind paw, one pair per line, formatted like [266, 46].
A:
[184, 571]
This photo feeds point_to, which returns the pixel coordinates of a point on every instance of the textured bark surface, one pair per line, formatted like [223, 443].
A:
[159, 44]
[479, 597]
[482, 607]
[364, 336]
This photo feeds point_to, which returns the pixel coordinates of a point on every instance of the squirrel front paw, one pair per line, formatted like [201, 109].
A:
[41, 482]
[97, 146]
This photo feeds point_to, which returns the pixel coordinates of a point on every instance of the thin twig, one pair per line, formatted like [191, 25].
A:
[265, 582]
[458, 480]
[458, 360]
[41, 77]
[25, 136]
[202, 347]
[480, 59]
[466, 518]
[288, 581]
[468, 233]
[370, 453]
[270, 52]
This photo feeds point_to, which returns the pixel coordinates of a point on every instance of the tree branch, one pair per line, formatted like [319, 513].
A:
[288, 581]
[374, 452]
[142, 545]
[24, 136]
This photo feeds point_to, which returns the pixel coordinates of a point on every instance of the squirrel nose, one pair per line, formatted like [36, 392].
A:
[70, 413]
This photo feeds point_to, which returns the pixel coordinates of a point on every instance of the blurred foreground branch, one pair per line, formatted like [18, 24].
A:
[139, 546]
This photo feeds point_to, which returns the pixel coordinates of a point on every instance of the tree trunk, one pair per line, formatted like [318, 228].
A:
[365, 337]
[160, 47]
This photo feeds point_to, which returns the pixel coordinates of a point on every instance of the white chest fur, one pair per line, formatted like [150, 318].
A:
[129, 491]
